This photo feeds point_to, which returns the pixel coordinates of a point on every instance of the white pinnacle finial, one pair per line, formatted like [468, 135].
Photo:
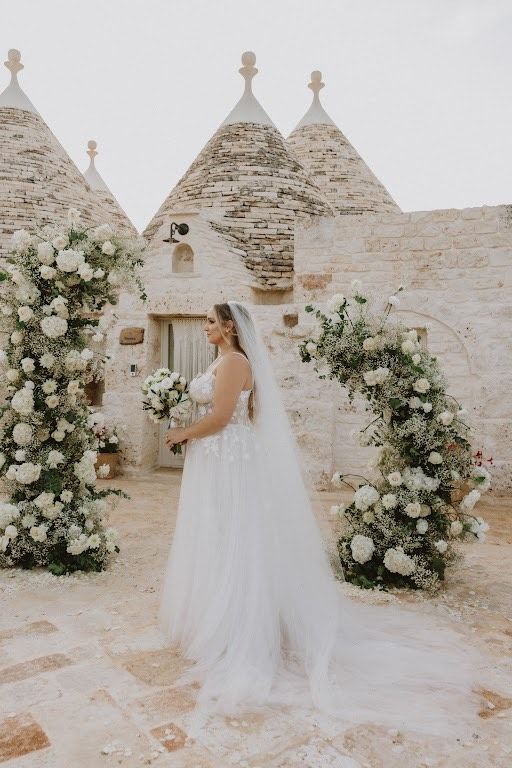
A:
[316, 114]
[13, 96]
[248, 109]
[14, 64]
[92, 177]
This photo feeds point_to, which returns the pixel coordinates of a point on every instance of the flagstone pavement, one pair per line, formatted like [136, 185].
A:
[86, 682]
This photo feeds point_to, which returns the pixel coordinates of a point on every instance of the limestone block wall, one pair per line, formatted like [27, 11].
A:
[456, 266]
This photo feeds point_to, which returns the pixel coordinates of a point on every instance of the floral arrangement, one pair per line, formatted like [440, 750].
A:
[108, 437]
[399, 530]
[166, 398]
[58, 280]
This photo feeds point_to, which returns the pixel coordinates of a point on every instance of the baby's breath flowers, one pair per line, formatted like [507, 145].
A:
[400, 529]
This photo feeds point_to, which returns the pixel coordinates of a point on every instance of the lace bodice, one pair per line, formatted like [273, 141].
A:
[201, 391]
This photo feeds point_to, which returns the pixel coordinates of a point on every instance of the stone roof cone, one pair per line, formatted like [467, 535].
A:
[38, 180]
[107, 201]
[333, 164]
[256, 189]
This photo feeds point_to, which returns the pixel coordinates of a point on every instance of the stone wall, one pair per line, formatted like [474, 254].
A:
[456, 266]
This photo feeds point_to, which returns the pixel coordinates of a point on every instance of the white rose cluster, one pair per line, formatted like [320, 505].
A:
[26, 473]
[376, 377]
[84, 469]
[421, 385]
[69, 260]
[362, 548]
[397, 561]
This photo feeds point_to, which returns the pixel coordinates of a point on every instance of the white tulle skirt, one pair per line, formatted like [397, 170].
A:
[252, 603]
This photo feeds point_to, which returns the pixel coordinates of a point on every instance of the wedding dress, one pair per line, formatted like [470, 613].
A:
[250, 598]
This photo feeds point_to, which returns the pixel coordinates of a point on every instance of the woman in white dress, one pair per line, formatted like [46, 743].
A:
[249, 595]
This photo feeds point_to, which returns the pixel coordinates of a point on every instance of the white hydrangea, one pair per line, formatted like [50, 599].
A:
[416, 359]
[46, 272]
[389, 501]
[365, 497]
[408, 347]
[28, 521]
[55, 458]
[421, 385]
[45, 253]
[20, 455]
[28, 473]
[446, 418]
[23, 401]
[47, 360]
[362, 548]
[68, 260]
[368, 517]
[74, 362]
[422, 526]
[84, 469]
[87, 354]
[336, 302]
[396, 561]
[441, 546]
[395, 479]
[38, 532]
[53, 327]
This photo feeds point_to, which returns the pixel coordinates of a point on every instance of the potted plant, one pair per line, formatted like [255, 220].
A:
[108, 439]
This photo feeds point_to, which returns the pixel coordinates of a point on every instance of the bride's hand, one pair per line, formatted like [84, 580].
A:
[175, 436]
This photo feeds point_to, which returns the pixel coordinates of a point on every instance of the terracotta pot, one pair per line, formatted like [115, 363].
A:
[112, 460]
[460, 491]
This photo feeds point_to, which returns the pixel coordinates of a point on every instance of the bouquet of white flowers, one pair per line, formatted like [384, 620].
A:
[166, 398]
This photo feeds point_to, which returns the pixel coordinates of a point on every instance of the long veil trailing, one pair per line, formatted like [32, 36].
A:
[293, 638]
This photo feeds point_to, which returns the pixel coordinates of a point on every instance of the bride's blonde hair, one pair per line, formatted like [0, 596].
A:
[223, 315]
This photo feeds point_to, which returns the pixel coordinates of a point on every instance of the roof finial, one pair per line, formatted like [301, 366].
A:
[248, 70]
[316, 84]
[91, 150]
[14, 64]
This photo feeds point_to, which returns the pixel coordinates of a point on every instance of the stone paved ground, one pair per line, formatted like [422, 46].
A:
[84, 682]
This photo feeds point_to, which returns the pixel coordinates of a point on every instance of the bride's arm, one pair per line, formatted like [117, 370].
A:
[230, 377]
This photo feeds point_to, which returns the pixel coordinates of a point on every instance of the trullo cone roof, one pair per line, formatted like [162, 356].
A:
[107, 201]
[334, 165]
[256, 189]
[38, 180]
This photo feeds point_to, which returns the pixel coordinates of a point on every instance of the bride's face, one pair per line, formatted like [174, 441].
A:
[213, 330]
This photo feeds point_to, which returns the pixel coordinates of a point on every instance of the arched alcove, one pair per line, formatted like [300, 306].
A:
[183, 258]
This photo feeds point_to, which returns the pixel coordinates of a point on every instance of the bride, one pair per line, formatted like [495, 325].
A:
[249, 595]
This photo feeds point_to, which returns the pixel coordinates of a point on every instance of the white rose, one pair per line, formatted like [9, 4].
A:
[102, 233]
[47, 273]
[38, 532]
[395, 479]
[421, 386]
[20, 455]
[413, 509]
[416, 359]
[427, 407]
[365, 497]
[45, 253]
[54, 459]
[441, 546]
[362, 548]
[28, 473]
[28, 365]
[44, 500]
[12, 374]
[414, 403]
[53, 327]
[311, 348]
[370, 344]
[396, 561]
[469, 501]
[370, 378]
[108, 248]
[60, 242]
[86, 272]
[16, 338]
[11, 532]
[422, 526]
[22, 434]
[425, 510]
[389, 501]
[435, 458]
[368, 517]
[446, 418]
[25, 313]
[99, 273]
[456, 528]
[52, 401]
[74, 387]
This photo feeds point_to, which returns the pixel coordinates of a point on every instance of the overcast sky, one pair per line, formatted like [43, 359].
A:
[422, 88]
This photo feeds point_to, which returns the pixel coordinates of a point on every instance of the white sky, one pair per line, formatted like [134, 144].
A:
[422, 88]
